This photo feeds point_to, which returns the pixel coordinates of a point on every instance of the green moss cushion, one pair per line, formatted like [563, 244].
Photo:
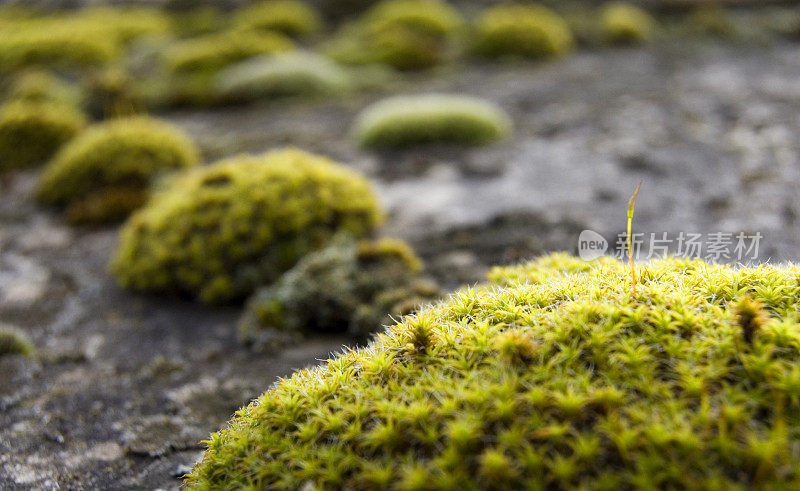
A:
[31, 132]
[554, 377]
[623, 23]
[293, 18]
[212, 52]
[403, 121]
[220, 231]
[111, 160]
[531, 31]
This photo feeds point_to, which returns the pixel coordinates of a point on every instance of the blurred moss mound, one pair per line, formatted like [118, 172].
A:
[42, 86]
[104, 173]
[348, 287]
[219, 232]
[290, 74]
[552, 377]
[213, 52]
[403, 121]
[528, 30]
[75, 40]
[14, 342]
[624, 23]
[31, 132]
[405, 34]
[292, 18]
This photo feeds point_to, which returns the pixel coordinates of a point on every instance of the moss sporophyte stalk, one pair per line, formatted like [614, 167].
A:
[552, 376]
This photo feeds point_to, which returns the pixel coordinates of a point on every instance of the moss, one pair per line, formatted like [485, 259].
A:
[554, 377]
[405, 34]
[103, 174]
[30, 133]
[300, 74]
[56, 45]
[403, 121]
[220, 231]
[353, 287]
[112, 93]
[433, 17]
[713, 20]
[293, 18]
[41, 86]
[623, 23]
[197, 21]
[213, 52]
[531, 30]
[76, 40]
[14, 342]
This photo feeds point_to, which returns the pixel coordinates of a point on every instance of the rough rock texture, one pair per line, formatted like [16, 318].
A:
[124, 384]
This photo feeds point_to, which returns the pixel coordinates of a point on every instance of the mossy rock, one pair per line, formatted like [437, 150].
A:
[403, 121]
[288, 74]
[104, 173]
[553, 377]
[31, 133]
[219, 232]
[14, 342]
[623, 23]
[349, 287]
[293, 18]
[213, 52]
[529, 30]
[197, 21]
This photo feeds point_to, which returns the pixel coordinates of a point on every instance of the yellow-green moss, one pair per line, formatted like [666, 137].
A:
[14, 342]
[434, 17]
[349, 286]
[41, 86]
[623, 23]
[712, 19]
[212, 52]
[31, 132]
[405, 34]
[293, 18]
[116, 160]
[553, 377]
[286, 74]
[218, 232]
[403, 121]
[523, 30]
[112, 93]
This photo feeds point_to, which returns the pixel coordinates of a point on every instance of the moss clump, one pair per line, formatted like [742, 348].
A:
[293, 18]
[30, 133]
[531, 31]
[112, 93]
[213, 52]
[353, 287]
[300, 74]
[405, 34]
[14, 342]
[403, 121]
[713, 20]
[623, 23]
[104, 173]
[221, 231]
[552, 378]
[41, 86]
[54, 44]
